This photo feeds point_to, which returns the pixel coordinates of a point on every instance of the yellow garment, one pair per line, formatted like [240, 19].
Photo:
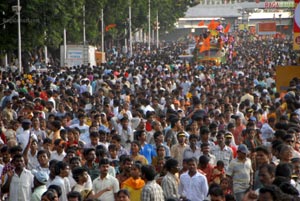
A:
[140, 158]
[135, 187]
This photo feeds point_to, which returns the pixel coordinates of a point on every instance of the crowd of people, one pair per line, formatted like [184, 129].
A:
[152, 127]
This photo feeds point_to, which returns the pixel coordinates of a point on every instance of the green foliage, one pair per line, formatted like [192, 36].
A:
[43, 21]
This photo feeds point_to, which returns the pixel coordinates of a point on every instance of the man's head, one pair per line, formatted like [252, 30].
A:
[148, 172]
[62, 169]
[104, 165]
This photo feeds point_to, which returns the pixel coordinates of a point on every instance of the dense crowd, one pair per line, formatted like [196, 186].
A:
[152, 127]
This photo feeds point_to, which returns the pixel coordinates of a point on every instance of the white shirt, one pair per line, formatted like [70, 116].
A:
[20, 187]
[87, 185]
[64, 185]
[56, 156]
[100, 184]
[194, 188]
[23, 138]
[32, 161]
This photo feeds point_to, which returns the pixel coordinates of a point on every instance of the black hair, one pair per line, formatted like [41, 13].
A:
[74, 194]
[124, 191]
[87, 151]
[284, 170]
[104, 161]
[171, 163]
[156, 134]
[149, 172]
[42, 151]
[55, 188]
[78, 171]
[61, 165]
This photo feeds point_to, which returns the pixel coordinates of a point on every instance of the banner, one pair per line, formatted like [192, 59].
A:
[296, 42]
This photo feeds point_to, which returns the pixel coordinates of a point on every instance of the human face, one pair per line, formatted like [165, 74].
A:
[104, 169]
[261, 158]
[161, 152]
[265, 177]
[265, 196]
[220, 140]
[65, 172]
[43, 159]
[159, 139]
[94, 140]
[286, 155]
[193, 142]
[192, 167]
[205, 150]
[217, 198]
[135, 172]
[181, 139]
[122, 197]
[19, 163]
[84, 177]
[91, 156]
[134, 148]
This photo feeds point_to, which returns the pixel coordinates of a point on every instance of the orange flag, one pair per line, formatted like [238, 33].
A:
[227, 28]
[206, 44]
[109, 27]
[201, 23]
[213, 25]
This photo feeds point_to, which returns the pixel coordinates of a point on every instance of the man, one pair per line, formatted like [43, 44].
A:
[151, 191]
[18, 182]
[146, 150]
[116, 139]
[221, 151]
[193, 150]
[204, 137]
[59, 153]
[178, 149]
[84, 129]
[23, 137]
[125, 169]
[205, 150]
[39, 181]
[74, 196]
[169, 182]
[193, 185]
[159, 140]
[90, 165]
[61, 179]
[176, 126]
[241, 173]
[104, 181]
[43, 159]
[216, 194]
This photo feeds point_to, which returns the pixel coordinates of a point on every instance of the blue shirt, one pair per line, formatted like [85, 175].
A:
[148, 151]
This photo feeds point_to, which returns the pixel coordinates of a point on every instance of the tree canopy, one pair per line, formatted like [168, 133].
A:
[42, 21]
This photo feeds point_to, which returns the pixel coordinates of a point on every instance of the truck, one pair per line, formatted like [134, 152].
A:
[80, 55]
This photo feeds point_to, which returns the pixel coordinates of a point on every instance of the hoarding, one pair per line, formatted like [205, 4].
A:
[266, 28]
[296, 42]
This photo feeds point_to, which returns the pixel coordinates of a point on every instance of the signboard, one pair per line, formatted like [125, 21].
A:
[284, 74]
[74, 57]
[296, 43]
[266, 28]
[279, 4]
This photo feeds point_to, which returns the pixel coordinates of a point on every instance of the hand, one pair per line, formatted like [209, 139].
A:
[10, 173]
[250, 196]
[108, 188]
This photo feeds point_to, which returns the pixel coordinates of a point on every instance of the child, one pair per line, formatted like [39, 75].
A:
[218, 172]
[225, 185]
[134, 184]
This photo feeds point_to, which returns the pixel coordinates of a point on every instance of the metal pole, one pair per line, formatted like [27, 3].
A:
[65, 46]
[157, 31]
[130, 31]
[84, 35]
[19, 38]
[46, 54]
[102, 31]
[149, 27]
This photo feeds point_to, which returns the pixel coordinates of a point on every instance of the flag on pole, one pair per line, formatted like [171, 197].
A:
[109, 27]
[206, 44]
[226, 30]
[213, 25]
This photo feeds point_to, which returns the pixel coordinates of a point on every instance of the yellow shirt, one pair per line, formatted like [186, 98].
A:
[135, 187]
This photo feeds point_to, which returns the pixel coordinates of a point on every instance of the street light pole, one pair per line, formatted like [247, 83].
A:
[130, 31]
[157, 31]
[149, 27]
[102, 31]
[19, 38]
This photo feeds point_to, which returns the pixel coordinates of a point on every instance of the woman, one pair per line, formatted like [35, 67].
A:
[135, 149]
